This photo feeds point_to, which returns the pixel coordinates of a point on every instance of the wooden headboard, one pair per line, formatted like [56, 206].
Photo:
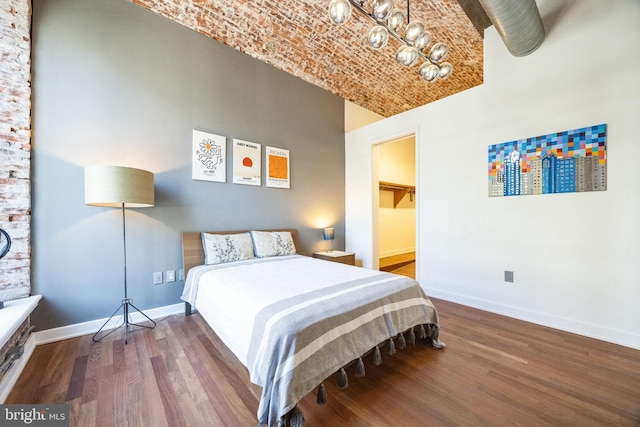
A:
[193, 252]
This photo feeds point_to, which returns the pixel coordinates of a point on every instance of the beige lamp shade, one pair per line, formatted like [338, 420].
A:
[111, 186]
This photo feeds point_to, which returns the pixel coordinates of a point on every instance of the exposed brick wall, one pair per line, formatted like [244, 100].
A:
[15, 145]
[4, 351]
[298, 38]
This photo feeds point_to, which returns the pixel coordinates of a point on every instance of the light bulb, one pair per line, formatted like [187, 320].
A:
[438, 52]
[396, 20]
[407, 55]
[413, 31]
[422, 41]
[339, 11]
[382, 9]
[378, 37]
[429, 71]
[445, 70]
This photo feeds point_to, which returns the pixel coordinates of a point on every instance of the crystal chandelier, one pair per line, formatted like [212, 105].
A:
[388, 21]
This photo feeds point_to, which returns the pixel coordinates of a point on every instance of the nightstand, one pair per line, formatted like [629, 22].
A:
[337, 256]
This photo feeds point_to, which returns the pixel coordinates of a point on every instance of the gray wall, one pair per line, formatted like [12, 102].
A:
[116, 84]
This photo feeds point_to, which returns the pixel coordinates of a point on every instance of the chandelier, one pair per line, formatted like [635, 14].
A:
[389, 21]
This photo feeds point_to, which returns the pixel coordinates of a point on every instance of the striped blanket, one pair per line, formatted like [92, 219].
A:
[298, 342]
[323, 316]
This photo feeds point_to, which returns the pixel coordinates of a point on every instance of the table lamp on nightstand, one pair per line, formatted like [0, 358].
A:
[119, 187]
[328, 233]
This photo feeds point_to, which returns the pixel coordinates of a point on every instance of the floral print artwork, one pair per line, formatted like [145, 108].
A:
[209, 157]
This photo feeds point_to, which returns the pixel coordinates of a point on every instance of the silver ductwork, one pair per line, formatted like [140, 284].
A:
[518, 22]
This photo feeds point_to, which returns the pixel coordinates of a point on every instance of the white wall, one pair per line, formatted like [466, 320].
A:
[356, 117]
[575, 256]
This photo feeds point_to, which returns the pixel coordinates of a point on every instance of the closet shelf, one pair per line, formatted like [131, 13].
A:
[399, 191]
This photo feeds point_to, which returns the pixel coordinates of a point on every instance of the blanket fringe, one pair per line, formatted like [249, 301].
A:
[422, 334]
[392, 347]
[343, 380]
[296, 418]
[377, 356]
[412, 337]
[322, 395]
[402, 342]
[360, 368]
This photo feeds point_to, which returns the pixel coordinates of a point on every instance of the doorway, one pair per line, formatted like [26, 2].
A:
[396, 165]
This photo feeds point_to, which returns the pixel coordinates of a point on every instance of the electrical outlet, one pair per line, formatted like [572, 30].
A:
[181, 274]
[508, 276]
[171, 275]
[157, 277]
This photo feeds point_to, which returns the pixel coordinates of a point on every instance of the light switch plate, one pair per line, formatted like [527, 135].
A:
[157, 277]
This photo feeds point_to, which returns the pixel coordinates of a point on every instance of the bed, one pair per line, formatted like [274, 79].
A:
[293, 320]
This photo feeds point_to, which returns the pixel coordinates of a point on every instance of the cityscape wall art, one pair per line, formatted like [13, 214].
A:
[563, 162]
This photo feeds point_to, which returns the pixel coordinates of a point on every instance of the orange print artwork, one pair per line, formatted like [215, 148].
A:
[278, 167]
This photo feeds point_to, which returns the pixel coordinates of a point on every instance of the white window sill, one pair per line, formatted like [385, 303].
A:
[14, 313]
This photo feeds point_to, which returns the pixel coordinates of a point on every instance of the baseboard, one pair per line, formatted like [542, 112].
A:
[394, 252]
[86, 328]
[11, 376]
[591, 330]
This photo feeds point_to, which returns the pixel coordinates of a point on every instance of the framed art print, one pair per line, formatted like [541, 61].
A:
[209, 157]
[278, 168]
[562, 162]
[246, 162]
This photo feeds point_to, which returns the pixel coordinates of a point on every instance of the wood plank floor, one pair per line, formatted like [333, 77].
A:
[390, 263]
[495, 371]
[408, 270]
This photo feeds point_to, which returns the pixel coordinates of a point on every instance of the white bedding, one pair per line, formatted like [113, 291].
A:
[293, 321]
[220, 292]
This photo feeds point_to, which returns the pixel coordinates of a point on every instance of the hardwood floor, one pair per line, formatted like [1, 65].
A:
[404, 264]
[495, 371]
[390, 263]
[408, 270]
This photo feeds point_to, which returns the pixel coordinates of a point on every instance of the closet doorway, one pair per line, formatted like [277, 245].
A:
[397, 206]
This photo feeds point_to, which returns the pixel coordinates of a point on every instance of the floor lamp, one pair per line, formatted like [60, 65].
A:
[119, 187]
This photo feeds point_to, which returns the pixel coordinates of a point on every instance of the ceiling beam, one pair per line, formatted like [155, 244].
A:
[476, 14]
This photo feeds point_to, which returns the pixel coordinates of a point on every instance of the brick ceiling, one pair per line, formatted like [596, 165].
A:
[296, 36]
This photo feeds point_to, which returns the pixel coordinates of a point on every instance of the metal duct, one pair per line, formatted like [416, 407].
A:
[518, 22]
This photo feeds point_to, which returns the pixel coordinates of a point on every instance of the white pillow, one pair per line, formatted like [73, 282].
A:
[221, 248]
[272, 243]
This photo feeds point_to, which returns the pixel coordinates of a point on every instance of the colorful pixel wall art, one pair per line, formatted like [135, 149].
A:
[563, 162]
